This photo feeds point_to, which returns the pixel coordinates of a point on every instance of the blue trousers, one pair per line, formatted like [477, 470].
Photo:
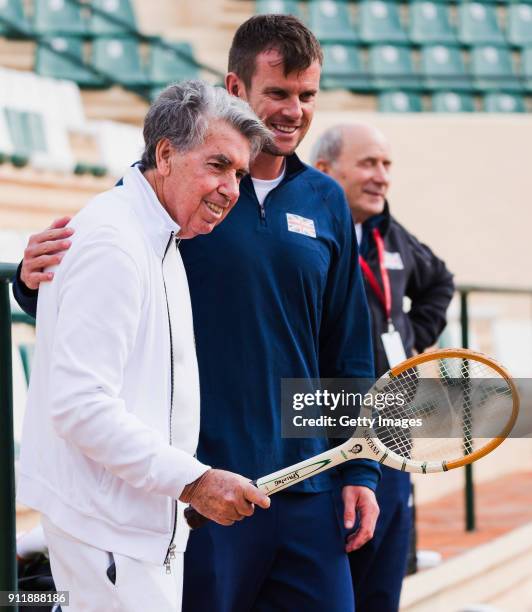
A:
[379, 566]
[287, 558]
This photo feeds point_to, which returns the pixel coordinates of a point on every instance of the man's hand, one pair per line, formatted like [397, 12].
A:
[363, 501]
[224, 497]
[45, 249]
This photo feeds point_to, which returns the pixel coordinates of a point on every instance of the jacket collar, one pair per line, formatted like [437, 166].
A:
[156, 222]
[293, 167]
[382, 221]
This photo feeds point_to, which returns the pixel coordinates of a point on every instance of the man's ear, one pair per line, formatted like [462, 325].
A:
[235, 86]
[163, 154]
[323, 166]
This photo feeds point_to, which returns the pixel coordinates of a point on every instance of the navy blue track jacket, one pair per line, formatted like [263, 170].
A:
[269, 303]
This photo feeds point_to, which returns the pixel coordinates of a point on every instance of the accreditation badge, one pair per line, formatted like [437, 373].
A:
[393, 347]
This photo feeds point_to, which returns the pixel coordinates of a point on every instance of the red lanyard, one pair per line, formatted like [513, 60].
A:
[385, 297]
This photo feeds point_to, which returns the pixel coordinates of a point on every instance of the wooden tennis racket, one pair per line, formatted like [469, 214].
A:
[467, 404]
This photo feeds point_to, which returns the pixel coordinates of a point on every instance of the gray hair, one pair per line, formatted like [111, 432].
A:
[328, 147]
[183, 111]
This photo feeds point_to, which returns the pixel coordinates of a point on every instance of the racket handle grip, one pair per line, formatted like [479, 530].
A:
[196, 520]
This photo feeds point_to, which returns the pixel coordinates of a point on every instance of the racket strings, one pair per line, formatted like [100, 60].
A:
[443, 409]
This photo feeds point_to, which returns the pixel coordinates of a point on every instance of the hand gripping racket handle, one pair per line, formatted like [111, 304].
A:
[196, 520]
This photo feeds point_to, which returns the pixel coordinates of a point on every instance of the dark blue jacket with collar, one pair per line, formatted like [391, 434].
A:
[268, 304]
[415, 272]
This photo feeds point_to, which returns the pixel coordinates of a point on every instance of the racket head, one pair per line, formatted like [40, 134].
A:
[467, 400]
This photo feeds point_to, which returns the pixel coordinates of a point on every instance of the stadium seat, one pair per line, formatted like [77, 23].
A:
[167, 65]
[119, 58]
[51, 61]
[26, 131]
[119, 10]
[26, 356]
[343, 68]
[15, 25]
[379, 22]
[452, 102]
[477, 24]
[504, 103]
[20, 146]
[526, 68]
[430, 23]
[491, 68]
[119, 145]
[391, 68]
[330, 21]
[519, 24]
[58, 17]
[399, 102]
[443, 68]
[284, 7]
[6, 145]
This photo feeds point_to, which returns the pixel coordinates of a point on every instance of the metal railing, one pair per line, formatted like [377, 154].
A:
[464, 292]
[8, 567]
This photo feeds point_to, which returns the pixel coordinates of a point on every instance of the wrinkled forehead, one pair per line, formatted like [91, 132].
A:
[225, 143]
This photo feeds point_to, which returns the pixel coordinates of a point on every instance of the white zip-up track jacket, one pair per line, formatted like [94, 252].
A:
[96, 455]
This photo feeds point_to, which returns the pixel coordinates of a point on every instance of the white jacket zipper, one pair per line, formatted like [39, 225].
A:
[170, 554]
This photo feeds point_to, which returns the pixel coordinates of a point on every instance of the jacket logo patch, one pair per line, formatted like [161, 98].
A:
[393, 261]
[300, 225]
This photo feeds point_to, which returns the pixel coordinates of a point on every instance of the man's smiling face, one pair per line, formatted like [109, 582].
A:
[285, 103]
[363, 170]
[200, 187]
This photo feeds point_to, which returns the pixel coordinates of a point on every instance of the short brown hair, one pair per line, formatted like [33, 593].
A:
[297, 45]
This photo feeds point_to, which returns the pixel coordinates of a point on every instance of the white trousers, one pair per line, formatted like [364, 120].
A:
[81, 569]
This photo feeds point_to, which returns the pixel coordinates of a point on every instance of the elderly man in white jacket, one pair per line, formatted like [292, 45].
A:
[112, 420]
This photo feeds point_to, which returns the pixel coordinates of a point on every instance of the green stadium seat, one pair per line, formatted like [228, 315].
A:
[391, 68]
[167, 65]
[430, 23]
[519, 24]
[27, 132]
[51, 61]
[119, 59]
[526, 68]
[443, 68]
[283, 7]
[26, 356]
[491, 68]
[18, 132]
[477, 24]
[343, 68]
[497, 102]
[58, 17]
[15, 25]
[379, 22]
[452, 102]
[330, 21]
[399, 102]
[120, 10]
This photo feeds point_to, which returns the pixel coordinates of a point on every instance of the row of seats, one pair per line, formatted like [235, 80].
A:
[438, 67]
[345, 66]
[37, 117]
[71, 17]
[95, 43]
[450, 102]
[378, 21]
[116, 59]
